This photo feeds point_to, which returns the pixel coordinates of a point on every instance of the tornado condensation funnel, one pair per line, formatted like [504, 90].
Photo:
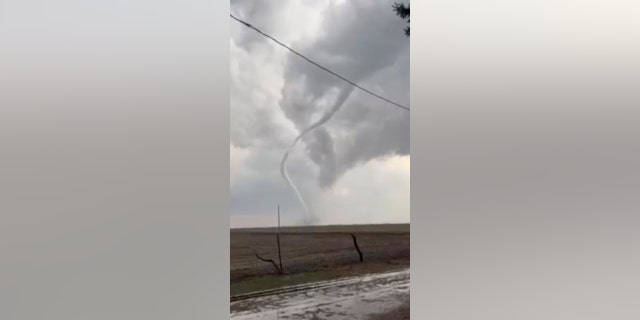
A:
[342, 97]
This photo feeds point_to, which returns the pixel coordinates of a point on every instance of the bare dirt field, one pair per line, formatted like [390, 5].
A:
[314, 253]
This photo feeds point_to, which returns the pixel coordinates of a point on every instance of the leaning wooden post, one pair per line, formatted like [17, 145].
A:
[278, 239]
[355, 243]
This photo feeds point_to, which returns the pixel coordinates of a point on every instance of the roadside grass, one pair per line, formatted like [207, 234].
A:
[267, 282]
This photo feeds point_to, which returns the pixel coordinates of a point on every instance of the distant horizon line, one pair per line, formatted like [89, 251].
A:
[324, 225]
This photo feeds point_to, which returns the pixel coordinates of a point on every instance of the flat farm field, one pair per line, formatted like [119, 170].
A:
[314, 253]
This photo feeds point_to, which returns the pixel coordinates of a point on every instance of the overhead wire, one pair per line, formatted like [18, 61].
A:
[318, 65]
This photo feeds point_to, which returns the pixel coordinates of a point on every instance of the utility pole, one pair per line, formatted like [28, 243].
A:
[278, 239]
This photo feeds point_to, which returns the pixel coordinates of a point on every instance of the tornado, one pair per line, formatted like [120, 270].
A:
[342, 97]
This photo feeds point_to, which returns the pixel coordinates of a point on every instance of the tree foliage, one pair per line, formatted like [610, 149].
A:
[403, 12]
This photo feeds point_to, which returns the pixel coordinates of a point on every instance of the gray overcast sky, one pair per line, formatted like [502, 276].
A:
[356, 168]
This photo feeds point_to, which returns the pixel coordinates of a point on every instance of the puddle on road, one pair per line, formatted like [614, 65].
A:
[352, 298]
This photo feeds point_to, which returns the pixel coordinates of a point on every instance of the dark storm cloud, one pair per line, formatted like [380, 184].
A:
[358, 47]
[275, 95]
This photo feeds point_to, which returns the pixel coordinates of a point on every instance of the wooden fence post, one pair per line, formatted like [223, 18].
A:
[278, 239]
[355, 243]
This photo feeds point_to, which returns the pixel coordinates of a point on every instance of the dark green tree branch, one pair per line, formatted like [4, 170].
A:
[403, 12]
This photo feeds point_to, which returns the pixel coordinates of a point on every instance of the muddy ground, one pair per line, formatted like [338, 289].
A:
[402, 312]
[361, 297]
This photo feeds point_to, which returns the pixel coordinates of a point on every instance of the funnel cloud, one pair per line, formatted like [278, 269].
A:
[325, 134]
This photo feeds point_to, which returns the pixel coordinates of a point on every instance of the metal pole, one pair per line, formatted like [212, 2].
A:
[278, 237]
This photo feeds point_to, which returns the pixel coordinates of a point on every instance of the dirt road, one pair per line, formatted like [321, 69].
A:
[351, 298]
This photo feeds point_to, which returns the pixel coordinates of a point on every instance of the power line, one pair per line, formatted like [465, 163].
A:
[318, 65]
